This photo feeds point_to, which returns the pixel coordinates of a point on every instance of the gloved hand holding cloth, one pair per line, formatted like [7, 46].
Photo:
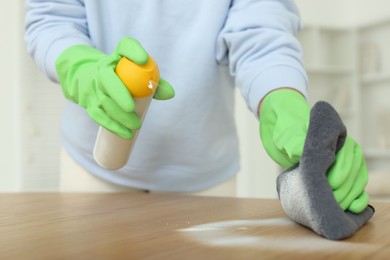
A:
[88, 78]
[285, 119]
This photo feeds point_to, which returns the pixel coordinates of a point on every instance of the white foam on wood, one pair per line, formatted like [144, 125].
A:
[270, 233]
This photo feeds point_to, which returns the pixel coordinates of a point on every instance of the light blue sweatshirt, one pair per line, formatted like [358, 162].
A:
[204, 48]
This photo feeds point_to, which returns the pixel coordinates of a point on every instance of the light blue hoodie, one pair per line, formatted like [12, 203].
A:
[203, 48]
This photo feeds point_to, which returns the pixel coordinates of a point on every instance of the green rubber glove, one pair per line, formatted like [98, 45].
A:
[284, 120]
[88, 78]
[348, 177]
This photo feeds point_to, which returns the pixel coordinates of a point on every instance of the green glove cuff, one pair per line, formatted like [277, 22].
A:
[73, 63]
[284, 120]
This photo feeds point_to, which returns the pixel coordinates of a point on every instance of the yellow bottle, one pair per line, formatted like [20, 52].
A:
[140, 80]
[110, 151]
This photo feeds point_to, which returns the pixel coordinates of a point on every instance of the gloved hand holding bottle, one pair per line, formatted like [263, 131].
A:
[88, 78]
[103, 85]
[284, 120]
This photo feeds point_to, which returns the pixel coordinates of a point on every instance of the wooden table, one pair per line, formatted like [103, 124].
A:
[161, 226]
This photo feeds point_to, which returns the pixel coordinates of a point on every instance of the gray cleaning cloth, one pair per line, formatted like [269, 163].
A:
[304, 190]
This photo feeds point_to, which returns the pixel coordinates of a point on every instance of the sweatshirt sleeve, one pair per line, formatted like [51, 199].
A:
[51, 27]
[258, 42]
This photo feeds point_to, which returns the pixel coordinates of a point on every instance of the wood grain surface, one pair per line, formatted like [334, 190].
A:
[163, 226]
